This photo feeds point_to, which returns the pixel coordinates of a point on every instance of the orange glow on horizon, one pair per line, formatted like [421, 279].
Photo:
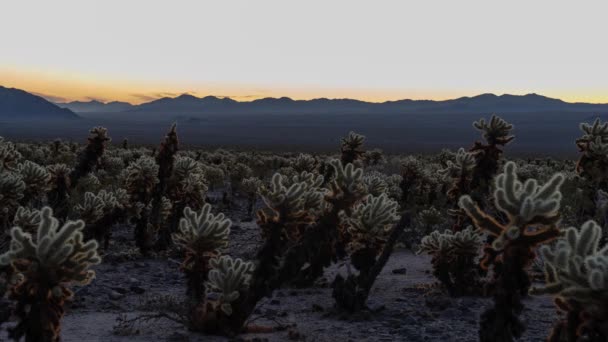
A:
[66, 87]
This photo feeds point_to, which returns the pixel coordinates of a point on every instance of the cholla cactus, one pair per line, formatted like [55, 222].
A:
[36, 180]
[60, 184]
[454, 257]
[375, 184]
[304, 162]
[27, 219]
[228, 277]
[496, 131]
[12, 189]
[347, 182]
[238, 172]
[351, 148]
[203, 232]
[9, 156]
[92, 154]
[592, 165]
[374, 232]
[202, 235]
[577, 274]
[532, 216]
[214, 175]
[525, 205]
[141, 177]
[294, 206]
[373, 218]
[460, 172]
[59, 257]
[91, 210]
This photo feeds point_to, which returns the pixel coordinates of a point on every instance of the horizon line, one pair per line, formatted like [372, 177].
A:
[235, 98]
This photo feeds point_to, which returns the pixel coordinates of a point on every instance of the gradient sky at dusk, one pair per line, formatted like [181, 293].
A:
[372, 50]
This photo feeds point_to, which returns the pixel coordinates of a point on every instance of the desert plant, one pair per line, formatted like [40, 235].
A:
[202, 235]
[141, 178]
[460, 174]
[373, 236]
[12, 188]
[186, 188]
[60, 184]
[592, 165]
[165, 160]
[36, 179]
[251, 186]
[496, 133]
[9, 156]
[576, 270]
[532, 216]
[47, 266]
[454, 258]
[92, 153]
[351, 148]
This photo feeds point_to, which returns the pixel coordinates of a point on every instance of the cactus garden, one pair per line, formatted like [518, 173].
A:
[120, 242]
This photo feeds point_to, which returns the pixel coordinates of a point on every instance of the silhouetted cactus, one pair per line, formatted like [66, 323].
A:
[532, 215]
[576, 272]
[351, 148]
[92, 153]
[60, 184]
[165, 159]
[57, 258]
[460, 174]
[141, 178]
[496, 133]
[592, 165]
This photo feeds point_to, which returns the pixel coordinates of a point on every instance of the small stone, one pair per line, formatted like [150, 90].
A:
[120, 290]
[401, 270]
[115, 295]
[137, 289]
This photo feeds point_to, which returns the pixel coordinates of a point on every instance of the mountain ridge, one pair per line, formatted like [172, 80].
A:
[482, 103]
[18, 104]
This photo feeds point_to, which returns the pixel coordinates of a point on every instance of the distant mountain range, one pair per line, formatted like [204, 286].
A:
[483, 104]
[95, 106]
[17, 104]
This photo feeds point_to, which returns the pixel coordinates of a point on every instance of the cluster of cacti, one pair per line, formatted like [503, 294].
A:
[42, 268]
[455, 259]
[349, 208]
[531, 212]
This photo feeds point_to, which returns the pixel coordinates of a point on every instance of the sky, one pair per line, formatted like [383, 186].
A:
[379, 50]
